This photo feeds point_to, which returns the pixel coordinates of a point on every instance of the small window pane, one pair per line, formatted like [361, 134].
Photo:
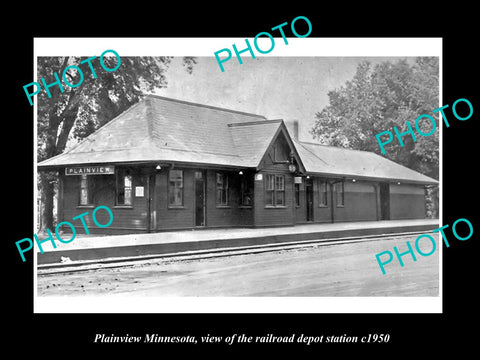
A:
[128, 190]
[280, 195]
[124, 187]
[272, 182]
[128, 193]
[279, 183]
[83, 190]
[219, 180]
[128, 181]
[269, 198]
[280, 190]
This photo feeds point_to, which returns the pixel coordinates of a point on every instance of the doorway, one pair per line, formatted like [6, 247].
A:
[384, 201]
[199, 179]
[309, 198]
[152, 213]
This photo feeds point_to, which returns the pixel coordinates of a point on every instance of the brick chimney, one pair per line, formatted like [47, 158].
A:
[292, 127]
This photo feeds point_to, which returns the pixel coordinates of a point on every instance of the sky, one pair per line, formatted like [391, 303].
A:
[288, 88]
[290, 83]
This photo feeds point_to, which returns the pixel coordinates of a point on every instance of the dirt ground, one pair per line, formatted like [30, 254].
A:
[333, 270]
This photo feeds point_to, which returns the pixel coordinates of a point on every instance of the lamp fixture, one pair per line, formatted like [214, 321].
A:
[158, 167]
[240, 172]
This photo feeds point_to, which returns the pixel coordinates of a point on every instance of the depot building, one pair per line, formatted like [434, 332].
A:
[166, 164]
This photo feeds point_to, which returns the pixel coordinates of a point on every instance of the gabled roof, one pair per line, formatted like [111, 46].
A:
[164, 129]
[336, 161]
[251, 139]
[159, 129]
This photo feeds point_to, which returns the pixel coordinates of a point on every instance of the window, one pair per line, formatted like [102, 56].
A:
[297, 195]
[222, 189]
[322, 193]
[175, 188]
[270, 190]
[280, 190]
[339, 193]
[275, 190]
[124, 187]
[246, 192]
[86, 190]
[279, 154]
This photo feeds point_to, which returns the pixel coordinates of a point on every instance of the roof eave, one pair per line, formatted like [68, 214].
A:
[373, 178]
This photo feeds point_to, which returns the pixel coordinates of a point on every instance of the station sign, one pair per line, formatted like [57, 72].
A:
[90, 170]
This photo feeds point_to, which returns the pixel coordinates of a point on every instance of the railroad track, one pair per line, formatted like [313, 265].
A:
[131, 261]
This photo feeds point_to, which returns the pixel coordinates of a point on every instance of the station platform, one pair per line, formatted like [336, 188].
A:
[105, 248]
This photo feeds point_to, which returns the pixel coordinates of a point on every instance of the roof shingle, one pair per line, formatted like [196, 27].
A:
[170, 130]
[330, 160]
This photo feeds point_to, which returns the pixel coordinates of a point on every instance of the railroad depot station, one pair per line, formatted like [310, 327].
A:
[166, 164]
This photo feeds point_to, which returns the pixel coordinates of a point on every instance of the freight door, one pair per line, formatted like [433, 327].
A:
[384, 201]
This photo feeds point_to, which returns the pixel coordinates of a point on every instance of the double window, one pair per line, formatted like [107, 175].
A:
[274, 190]
[175, 188]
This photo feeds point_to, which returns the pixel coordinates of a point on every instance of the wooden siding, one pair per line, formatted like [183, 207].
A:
[407, 202]
[275, 215]
[360, 202]
[232, 215]
[132, 218]
[301, 209]
[173, 217]
[321, 214]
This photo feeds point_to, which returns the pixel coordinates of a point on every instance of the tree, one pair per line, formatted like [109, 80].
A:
[378, 99]
[78, 111]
